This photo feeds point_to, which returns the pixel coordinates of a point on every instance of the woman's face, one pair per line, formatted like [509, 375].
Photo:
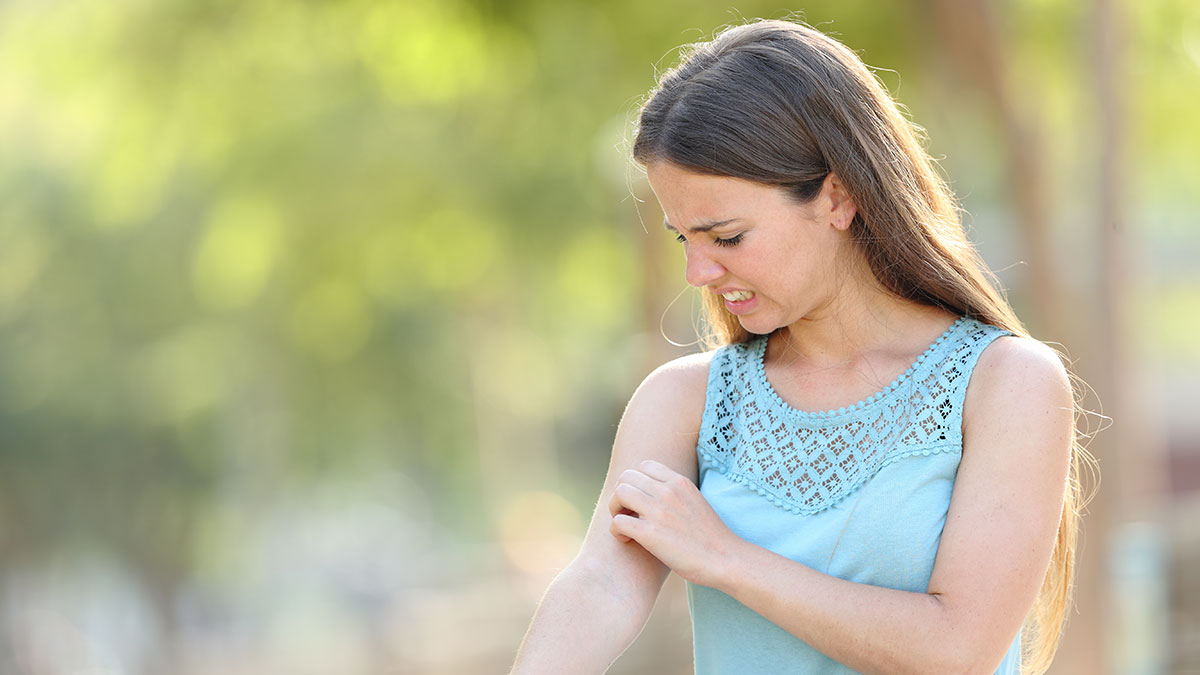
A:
[771, 258]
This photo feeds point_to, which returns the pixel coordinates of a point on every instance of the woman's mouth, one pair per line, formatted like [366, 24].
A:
[740, 302]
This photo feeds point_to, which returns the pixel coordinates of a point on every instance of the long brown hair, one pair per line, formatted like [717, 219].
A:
[782, 104]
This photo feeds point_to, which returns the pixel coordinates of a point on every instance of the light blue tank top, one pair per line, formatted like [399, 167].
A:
[859, 493]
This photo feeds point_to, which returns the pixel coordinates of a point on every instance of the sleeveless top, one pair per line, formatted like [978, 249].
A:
[859, 493]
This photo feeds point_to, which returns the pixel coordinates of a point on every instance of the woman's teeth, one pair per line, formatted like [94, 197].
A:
[735, 296]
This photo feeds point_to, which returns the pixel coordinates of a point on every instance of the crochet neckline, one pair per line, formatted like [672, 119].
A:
[758, 358]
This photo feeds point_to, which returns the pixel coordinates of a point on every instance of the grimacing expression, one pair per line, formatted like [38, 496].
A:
[773, 259]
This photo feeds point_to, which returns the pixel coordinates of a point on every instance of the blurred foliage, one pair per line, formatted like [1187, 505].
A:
[245, 243]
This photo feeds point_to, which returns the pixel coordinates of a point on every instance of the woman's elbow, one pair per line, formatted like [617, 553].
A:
[959, 648]
[971, 656]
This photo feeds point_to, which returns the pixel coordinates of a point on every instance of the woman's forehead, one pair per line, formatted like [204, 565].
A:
[701, 201]
[677, 183]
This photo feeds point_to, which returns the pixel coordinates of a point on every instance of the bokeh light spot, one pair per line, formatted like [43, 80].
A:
[540, 531]
[236, 255]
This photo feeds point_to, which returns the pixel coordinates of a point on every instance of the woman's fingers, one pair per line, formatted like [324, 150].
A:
[632, 498]
[641, 481]
[615, 505]
[636, 481]
[657, 470]
[641, 492]
[624, 527]
[615, 530]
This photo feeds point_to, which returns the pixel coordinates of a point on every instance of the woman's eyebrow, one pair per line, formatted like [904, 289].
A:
[702, 227]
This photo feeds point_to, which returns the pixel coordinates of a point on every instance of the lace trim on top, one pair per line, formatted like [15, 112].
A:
[806, 462]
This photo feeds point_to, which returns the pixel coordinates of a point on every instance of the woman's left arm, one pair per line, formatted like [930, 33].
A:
[994, 550]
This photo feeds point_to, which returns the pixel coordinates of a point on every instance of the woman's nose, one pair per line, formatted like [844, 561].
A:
[702, 270]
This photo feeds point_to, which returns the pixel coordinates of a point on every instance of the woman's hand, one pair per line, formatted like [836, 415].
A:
[664, 512]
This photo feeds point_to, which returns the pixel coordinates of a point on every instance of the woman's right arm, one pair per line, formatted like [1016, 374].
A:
[594, 608]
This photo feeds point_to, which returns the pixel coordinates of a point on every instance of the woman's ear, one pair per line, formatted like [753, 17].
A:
[841, 206]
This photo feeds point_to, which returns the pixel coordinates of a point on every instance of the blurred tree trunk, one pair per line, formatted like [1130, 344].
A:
[1130, 453]
[968, 31]
[1085, 648]
[969, 34]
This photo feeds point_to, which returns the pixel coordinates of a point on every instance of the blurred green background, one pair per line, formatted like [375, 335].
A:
[317, 318]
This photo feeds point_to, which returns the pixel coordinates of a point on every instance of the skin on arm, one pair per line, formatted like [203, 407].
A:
[1008, 497]
[992, 557]
[597, 606]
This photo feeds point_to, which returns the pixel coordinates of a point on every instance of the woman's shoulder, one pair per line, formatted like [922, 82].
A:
[679, 385]
[677, 390]
[1014, 359]
[1017, 375]
[663, 417]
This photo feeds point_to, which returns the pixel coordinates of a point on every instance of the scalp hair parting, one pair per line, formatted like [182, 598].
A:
[808, 106]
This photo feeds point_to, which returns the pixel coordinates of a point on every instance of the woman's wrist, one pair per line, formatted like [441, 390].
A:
[729, 561]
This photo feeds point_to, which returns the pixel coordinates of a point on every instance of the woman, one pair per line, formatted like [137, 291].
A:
[913, 523]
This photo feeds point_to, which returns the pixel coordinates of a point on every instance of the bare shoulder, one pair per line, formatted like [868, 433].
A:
[692, 369]
[662, 420]
[1011, 352]
[678, 385]
[1020, 388]
[1018, 368]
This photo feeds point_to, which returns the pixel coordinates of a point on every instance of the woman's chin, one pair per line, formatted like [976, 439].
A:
[756, 325]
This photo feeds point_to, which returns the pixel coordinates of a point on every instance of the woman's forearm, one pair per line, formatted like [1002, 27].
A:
[581, 626]
[868, 628]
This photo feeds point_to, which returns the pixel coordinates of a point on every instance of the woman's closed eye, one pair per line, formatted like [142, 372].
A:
[731, 241]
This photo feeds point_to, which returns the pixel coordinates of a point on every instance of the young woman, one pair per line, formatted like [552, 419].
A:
[875, 469]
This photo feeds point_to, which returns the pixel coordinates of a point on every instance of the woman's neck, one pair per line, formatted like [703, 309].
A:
[862, 318]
